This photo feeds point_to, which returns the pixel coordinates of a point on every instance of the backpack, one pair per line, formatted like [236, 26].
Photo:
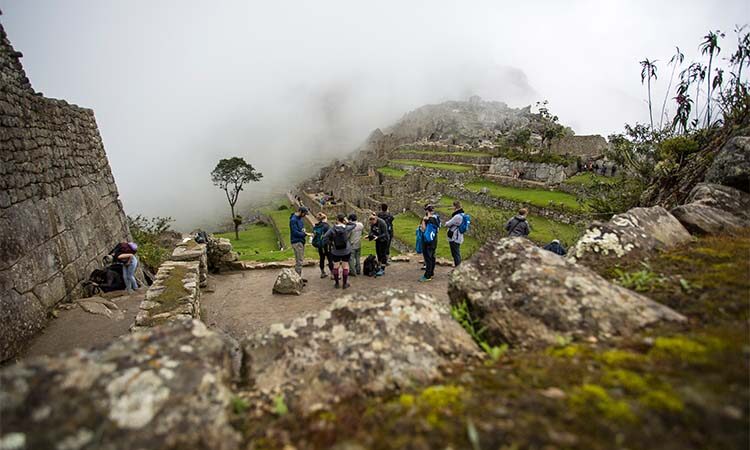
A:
[339, 238]
[370, 266]
[430, 232]
[464, 227]
[318, 230]
[201, 237]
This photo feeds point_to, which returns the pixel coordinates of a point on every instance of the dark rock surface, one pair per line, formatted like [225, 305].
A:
[164, 388]
[527, 297]
[359, 345]
[702, 219]
[633, 234]
[731, 167]
[722, 197]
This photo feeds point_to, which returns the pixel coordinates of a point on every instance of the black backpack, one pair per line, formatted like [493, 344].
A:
[370, 266]
[339, 238]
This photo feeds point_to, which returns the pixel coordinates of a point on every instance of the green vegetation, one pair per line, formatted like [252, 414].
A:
[230, 175]
[392, 172]
[537, 197]
[460, 168]
[258, 243]
[147, 233]
[590, 179]
[430, 152]
[405, 227]
[169, 298]
[488, 223]
[642, 280]
[461, 314]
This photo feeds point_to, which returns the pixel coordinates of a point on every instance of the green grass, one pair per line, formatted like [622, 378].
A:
[430, 152]
[258, 243]
[589, 179]
[392, 172]
[543, 230]
[460, 168]
[405, 226]
[537, 197]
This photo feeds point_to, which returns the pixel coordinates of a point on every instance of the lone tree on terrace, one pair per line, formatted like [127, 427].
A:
[231, 175]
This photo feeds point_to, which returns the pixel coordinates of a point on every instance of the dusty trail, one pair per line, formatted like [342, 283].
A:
[242, 302]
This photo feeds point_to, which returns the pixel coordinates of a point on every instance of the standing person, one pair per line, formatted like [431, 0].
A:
[388, 219]
[518, 226]
[337, 237]
[429, 243]
[456, 229]
[324, 251]
[355, 239]
[298, 235]
[379, 233]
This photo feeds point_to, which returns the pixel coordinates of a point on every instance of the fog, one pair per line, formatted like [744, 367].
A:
[177, 85]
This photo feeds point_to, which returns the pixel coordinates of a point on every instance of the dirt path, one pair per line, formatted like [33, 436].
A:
[76, 328]
[242, 302]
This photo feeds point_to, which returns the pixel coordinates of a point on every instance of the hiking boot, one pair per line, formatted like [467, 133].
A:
[323, 274]
[424, 279]
[336, 285]
[346, 286]
[380, 273]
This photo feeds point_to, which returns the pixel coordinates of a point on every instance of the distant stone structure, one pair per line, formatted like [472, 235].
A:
[59, 207]
[587, 147]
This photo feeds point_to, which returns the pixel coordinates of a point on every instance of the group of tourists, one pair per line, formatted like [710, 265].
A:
[339, 245]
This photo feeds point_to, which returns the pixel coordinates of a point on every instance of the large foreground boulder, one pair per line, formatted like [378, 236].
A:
[528, 297]
[360, 344]
[731, 167]
[288, 282]
[633, 234]
[163, 388]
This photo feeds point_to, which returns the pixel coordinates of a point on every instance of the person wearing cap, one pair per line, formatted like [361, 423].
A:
[555, 247]
[298, 235]
[429, 248]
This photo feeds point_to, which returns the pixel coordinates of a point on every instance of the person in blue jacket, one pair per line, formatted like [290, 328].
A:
[298, 236]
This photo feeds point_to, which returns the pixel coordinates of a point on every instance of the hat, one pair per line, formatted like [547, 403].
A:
[303, 210]
[429, 207]
[133, 246]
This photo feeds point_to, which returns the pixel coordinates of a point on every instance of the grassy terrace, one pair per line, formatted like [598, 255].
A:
[405, 226]
[392, 172]
[589, 179]
[543, 230]
[460, 168]
[430, 152]
[537, 197]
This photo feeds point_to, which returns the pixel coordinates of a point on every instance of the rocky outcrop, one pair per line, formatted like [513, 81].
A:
[527, 297]
[59, 207]
[162, 388]
[288, 282]
[175, 295]
[731, 166]
[632, 234]
[360, 344]
[714, 209]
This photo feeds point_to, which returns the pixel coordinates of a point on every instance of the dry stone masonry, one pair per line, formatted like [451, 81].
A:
[59, 207]
[192, 251]
[175, 295]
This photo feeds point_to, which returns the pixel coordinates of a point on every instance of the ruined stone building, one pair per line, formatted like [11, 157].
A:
[59, 206]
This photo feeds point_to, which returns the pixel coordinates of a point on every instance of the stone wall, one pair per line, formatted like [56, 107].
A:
[192, 251]
[59, 207]
[587, 147]
[541, 172]
[175, 295]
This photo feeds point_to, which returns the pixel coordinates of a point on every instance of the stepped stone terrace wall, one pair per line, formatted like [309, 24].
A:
[175, 295]
[541, 172]
[59, 207]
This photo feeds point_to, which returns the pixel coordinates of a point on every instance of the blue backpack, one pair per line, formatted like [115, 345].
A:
[430, 232]
[464, 227]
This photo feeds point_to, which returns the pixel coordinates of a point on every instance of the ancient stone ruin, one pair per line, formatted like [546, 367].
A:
[59, 207]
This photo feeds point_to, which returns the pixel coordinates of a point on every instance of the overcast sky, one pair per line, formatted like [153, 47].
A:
[176, 85]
